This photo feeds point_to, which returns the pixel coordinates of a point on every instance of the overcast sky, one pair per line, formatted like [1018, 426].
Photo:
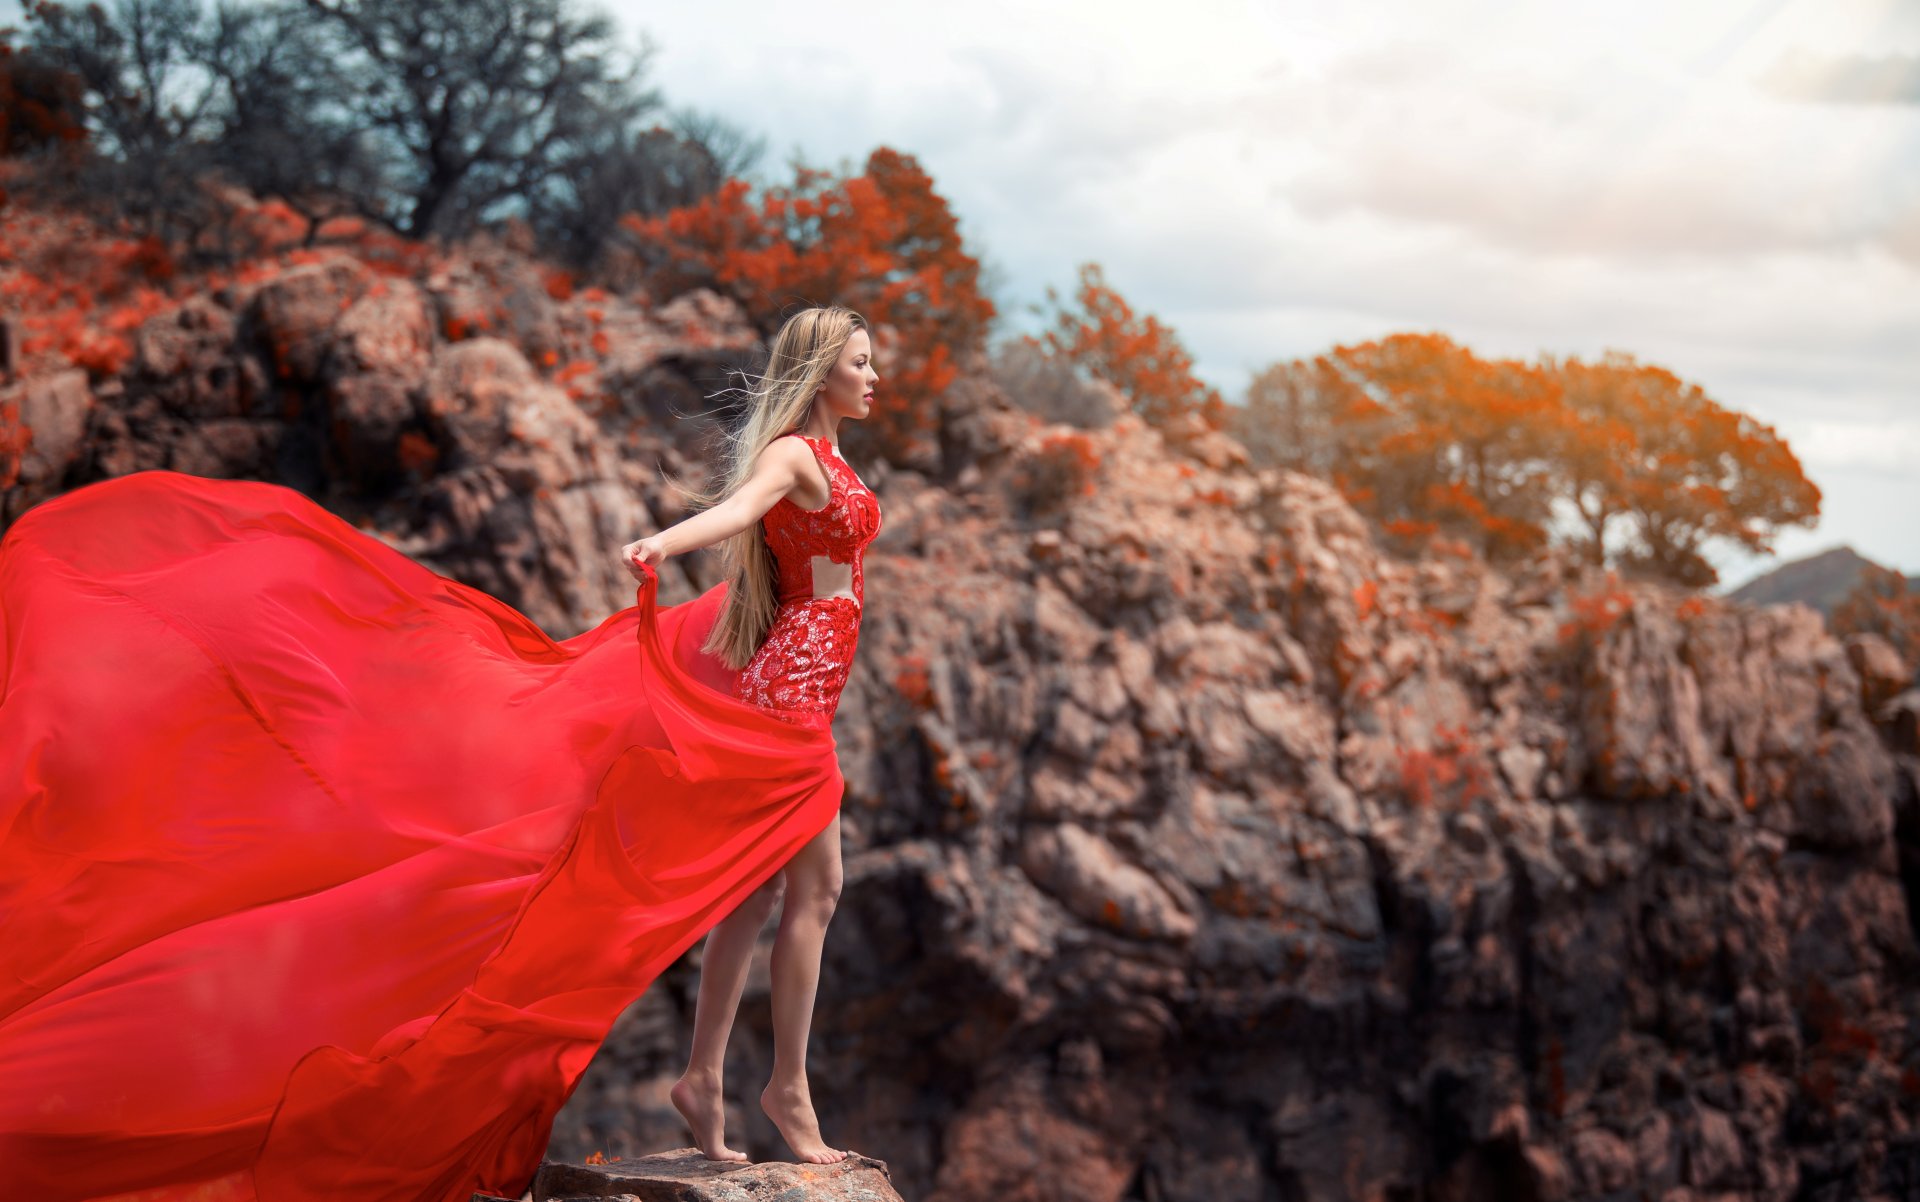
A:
[1728, 188]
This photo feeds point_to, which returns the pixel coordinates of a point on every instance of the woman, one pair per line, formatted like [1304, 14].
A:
[790, 623]
[324, 876]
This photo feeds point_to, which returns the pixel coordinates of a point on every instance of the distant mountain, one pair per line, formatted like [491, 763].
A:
[1821, 581]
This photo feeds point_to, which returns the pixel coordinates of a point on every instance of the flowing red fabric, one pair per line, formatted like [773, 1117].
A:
[323, 876]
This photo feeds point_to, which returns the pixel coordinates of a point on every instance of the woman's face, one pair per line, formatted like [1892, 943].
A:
[849, 388]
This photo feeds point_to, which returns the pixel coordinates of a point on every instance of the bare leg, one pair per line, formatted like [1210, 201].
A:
[813, 888]
[724, 960]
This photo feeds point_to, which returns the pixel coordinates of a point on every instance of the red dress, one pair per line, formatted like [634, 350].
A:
[323, 876]
[804, 662]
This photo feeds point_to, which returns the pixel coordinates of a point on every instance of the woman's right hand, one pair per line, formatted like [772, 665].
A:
[647, 551]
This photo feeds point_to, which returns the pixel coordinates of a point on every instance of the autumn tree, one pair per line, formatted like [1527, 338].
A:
[1099, 333]
[1428, 438]
[1636, 442]
[1434, 440]
[882, 242]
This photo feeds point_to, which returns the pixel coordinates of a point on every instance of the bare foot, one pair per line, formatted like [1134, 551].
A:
[697, 1097]
[791, 1109]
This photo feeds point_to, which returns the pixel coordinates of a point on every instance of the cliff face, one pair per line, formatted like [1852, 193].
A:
[1195, 847]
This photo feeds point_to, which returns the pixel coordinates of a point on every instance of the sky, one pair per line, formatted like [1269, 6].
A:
[1727, 188]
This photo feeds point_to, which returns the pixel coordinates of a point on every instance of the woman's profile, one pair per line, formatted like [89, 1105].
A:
[323, 875]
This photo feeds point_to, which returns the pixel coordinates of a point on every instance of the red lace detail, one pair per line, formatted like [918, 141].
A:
[839, 530]
[803, 664]
[806, 658]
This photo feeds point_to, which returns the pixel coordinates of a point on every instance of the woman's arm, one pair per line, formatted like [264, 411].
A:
[774, 475]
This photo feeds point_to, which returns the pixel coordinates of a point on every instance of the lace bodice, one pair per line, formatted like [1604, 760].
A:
[839, 530]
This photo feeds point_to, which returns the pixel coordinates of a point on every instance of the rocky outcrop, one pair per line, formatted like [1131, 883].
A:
[1195, 846]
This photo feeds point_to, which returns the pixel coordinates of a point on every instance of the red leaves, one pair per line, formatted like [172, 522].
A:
[883, 243]
[1139, 355]
[1596, 613]
[1065, 466]
[15, 438]
[912, 682]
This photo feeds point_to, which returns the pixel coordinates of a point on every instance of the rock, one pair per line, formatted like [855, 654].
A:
[54, 409]
[1097, 883]
[685, 1175]
[1882, 672]
[293, 315]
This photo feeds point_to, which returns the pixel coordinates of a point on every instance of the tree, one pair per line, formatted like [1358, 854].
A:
[477, 103]
[426, 117]
[1291, 418]
[883, 243]
[42, 105]
[285, 133]
[651, 172]
[1639, 443]
[1439, 440]
[1140, 355]
[1426, 437]
[147, 110]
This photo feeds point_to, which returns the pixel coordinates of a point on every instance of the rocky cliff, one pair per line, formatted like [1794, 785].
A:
[1196, 848]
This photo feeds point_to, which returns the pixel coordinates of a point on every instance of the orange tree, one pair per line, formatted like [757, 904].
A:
[1435, 440]
[1635, 441]
[883, 243]
[1138, 354]
[1429, 439]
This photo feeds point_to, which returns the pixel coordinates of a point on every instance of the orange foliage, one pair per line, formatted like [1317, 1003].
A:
[1634, 441]
[913, 683]
[80, 294]
[1596, 613]
[1065, 466]
[1427, 438]
[1454, 761]
[1436, 441]
[883, 243]
[1139, 355]
[1363, 596]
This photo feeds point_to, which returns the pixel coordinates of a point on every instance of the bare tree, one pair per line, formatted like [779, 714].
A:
[620, 171]
[479, 103]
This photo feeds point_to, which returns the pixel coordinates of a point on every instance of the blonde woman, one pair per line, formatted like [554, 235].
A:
[793, 519]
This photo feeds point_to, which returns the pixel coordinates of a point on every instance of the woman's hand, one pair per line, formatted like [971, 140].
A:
[646, 551]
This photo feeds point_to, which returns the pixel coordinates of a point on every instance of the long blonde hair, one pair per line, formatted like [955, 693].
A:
[803, 352]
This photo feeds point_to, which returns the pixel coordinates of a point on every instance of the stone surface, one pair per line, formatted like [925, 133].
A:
[685, 1175]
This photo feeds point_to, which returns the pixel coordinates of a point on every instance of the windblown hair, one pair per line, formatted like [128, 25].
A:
[803, 352]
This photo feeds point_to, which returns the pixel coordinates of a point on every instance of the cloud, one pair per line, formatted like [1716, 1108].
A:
[1846, 79]
[1609, 161]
